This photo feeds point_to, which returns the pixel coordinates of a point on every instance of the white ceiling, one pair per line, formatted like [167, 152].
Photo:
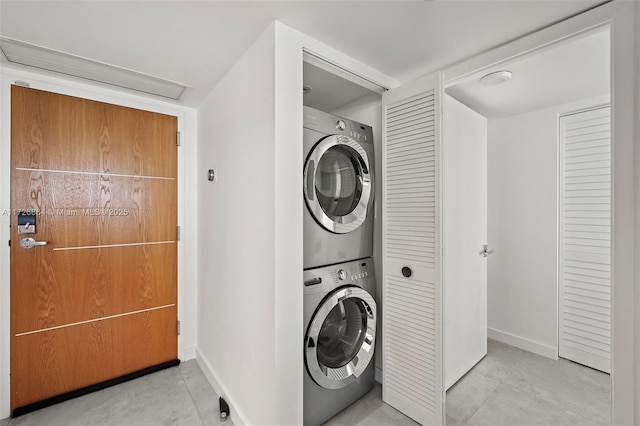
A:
[196, 42]
[572, 70]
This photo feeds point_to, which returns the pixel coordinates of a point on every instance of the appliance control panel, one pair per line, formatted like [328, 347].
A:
[350, 128]
[332, 124]
[352, 272]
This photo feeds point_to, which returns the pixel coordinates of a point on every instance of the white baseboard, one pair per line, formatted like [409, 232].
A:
[523, 343]
[378, 375]
[236, 414]
[189, 353]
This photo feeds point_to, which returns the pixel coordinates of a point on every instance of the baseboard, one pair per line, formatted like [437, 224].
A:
[239, 419]
[523, 343]
[378, 376]
[189, 353]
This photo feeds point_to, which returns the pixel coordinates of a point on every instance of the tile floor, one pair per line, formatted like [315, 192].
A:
[511, 386]
[176, 396]
[508, 387]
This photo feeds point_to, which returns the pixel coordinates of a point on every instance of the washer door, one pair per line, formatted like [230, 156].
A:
[341, 337]
[337, 183]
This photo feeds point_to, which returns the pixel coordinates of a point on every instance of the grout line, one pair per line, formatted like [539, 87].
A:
[195, 404]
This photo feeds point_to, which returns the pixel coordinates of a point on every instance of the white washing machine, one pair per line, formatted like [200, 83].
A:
[340, 318]
[338, 189]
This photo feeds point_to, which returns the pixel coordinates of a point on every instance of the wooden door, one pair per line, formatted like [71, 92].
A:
[99, 300]
[464, 223]
[585, 238]
[412, 286]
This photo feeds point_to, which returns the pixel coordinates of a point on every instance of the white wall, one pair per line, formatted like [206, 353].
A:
[368, 110]
[236, 293]
[250, 249]
[187, 198]
[523, 226]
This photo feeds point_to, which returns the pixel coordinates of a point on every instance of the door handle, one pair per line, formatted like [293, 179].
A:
[485, 252]
[29, 242]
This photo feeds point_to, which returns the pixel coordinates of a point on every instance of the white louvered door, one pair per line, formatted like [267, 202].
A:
[412, 306]
[585, 238]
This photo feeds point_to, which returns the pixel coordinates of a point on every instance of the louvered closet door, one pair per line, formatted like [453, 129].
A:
[585, 238]
[412, 301]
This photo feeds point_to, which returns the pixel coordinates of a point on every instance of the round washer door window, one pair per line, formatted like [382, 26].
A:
[337, 181]
[341, 337]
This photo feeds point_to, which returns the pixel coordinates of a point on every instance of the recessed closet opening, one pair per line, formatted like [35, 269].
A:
[527, 235]
[341, 237]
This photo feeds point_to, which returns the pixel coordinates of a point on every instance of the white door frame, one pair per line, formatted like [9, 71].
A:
[619, 16]
[187, 219]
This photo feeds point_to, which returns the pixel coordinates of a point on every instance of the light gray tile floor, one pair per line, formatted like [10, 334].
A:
[508, 387]
[511, 386]
[176, 396]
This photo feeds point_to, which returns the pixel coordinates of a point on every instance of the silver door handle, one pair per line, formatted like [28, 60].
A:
[485, 252]
[29, 242]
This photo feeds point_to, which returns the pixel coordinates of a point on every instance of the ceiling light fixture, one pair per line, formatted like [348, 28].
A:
[495, 78]
[31, 55]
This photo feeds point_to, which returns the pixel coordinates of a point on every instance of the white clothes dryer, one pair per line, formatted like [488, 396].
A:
[338, 189]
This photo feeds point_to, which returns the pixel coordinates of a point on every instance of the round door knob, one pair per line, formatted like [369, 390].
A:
[406, 272]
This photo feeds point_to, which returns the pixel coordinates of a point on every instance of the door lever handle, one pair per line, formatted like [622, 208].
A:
[485, 252]
[29, 242]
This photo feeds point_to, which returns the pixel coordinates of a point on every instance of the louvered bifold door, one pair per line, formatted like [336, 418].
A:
[412, 294]
[585, 238]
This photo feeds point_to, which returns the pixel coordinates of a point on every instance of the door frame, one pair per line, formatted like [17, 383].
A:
[619, 18]
[187, 218]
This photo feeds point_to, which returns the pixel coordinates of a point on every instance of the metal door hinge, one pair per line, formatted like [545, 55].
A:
[178, 327]
[178, 233]
[22, 83]
[178, 139]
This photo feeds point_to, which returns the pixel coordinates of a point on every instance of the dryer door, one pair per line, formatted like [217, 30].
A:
[337, 183]
[341, 337]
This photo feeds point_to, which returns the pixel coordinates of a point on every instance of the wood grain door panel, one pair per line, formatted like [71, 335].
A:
[70, 358]
[100, 300]
[88, 210]
[109, 281]
[52, 131]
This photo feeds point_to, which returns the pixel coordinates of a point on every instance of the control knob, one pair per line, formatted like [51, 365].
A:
[342, 274]
[341, 125]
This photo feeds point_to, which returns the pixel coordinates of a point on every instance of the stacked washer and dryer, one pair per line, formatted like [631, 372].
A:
[340, 311]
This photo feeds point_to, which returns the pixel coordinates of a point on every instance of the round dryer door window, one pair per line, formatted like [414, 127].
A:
[341, 337]
[337, 181]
